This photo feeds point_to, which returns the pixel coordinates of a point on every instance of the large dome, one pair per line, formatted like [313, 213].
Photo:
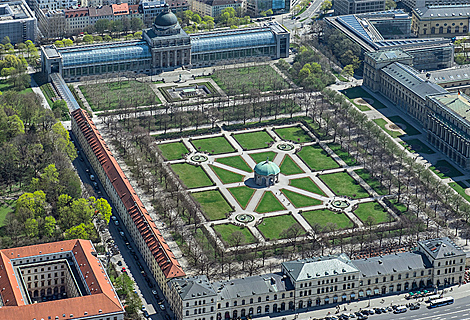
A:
[267, 168]
[166, 18]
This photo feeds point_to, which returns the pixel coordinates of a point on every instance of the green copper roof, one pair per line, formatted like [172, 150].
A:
[267, 168]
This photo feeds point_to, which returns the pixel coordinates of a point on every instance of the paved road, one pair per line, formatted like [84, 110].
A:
[150, 302]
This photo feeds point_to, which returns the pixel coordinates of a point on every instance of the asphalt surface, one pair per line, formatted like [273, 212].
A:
[123, 252]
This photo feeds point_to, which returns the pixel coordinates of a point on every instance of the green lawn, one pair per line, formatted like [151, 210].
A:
[246, 79]
[296, 134]
[316, 158]
[4, 210]
[192, 176]
[5, 86]
[374, 210]
[288, 166]
[299, 200]
[358, 92]
[445, 170]
[269, 203]
[173, 151]
[273, 227]
[112, 95]
[342, 184]
[410, 130]
[460, 188]
[227, 176]
[373, 183]
[418, 146]
[258, 157]
[235, 162]
[226, 231]
[324, 216]
[343, 154]
[242, 194]
[381, 123]
[253, 140]
[213, 203]
[306, 184]
[216, 145]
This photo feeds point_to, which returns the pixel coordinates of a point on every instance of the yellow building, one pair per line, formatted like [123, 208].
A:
[440, 21]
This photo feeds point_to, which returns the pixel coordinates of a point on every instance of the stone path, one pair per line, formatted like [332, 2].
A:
[283, 184]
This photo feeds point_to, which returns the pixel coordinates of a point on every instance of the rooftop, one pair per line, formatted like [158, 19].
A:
[458, 104]
[267, 168]
[250, 286]
[442, 247]
[447, 75]
[409, 78]
[14, 10]
[443, 12]
[392, 263]
[101, 300]
[120, 9]
[389, 55]
[193, 287]
[318, 267]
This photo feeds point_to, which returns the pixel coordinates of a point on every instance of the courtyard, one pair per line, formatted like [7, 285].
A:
[314, 192]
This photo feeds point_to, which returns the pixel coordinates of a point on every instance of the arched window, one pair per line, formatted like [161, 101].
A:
[441, 29]
[227, 305]
[187, 312]
[266, 309]
[259, 299]
[275, 297]
[449, 30]
[243, 302]
[258, 310]
[251, 300]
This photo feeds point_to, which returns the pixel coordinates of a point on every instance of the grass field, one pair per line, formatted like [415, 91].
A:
[216, 145]
[5, 86]
[192, 176]
[381, 123]
[324, 216]
[299, 200]
[445, 170]
[306, 184]
[273, 227]
[258, 157]
[253, 140]
[227, 176]
[373, 183]
[342, 184]
[173, 151]
[246, 79]
[288, 166]
[226, 231]
[410, 130]
[235, 162]
[242, 194]
[269, 203]
[418, 146]
[213, 203]
[374, 210]
[336, 148]
[112, 95]
[295, 134]
[358, 92]
[316, 158]
[4, 210]
[460, 187]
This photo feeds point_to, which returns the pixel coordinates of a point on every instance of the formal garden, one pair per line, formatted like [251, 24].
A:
[318, 188]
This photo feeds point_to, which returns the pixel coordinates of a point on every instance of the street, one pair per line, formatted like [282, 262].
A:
[129, 262]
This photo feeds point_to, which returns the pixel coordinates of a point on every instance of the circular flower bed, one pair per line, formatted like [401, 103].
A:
[285, 146]
[340, 203]
[199, 158]
[244, 217]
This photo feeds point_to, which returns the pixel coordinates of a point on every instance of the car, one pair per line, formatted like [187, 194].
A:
[414, 307]
[92, 177]
[146, 314]
[81, 159]
[95, 185]
[116, 222]
[162, 307]
[155, 293]
[129, 247]
[167, 316]
[362, 317]
[113, 218]
[119, 263]
[121, 233]
[124, 270]
[143, 308]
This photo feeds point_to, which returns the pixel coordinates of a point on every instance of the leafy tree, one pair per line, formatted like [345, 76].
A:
[107, 38]
[49, 226]
[136, 24]
[32, 228]
[104, 209]
[97, 38]
[124, 284]
[67, 42]
[326, 5]
[77, 232]
[138, 35]
[88, 38]
[59, 107]
[62, 141]
[348, 70]
[59, 43]
[269, 12]
[102, 25]
[6, 40]
[390, 4]
[34, 202]
[133, 303]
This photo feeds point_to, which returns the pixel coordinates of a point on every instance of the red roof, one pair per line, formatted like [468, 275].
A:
[120, 9]
[147, 228]
[74, 13]
[103, 298]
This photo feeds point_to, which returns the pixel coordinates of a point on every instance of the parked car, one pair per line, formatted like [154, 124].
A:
[92, 177]
[162, 307]
[122, 234]
[113, 218]
[116, 222]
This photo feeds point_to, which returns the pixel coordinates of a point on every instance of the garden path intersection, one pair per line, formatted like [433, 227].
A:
[285, 195]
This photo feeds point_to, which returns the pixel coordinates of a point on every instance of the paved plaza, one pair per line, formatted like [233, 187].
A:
[294, 195]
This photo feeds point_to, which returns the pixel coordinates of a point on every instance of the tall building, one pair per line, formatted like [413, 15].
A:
[17, 21]
[214, 8]
[412, 4]
[255, 7]
[59, 280]
[343, 7]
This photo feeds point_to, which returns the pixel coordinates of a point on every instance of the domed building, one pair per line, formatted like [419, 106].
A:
[169, 44]
[266, 173]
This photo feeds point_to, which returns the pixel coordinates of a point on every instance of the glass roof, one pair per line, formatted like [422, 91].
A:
[354, 24]
[231, 40]
[100, 54]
